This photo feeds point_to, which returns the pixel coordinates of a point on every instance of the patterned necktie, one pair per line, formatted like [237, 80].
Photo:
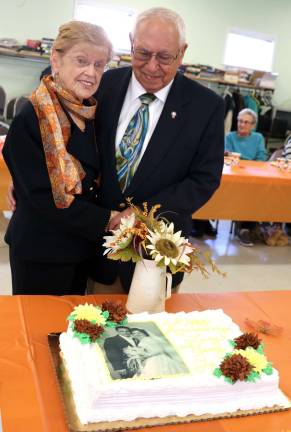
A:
[128, 152]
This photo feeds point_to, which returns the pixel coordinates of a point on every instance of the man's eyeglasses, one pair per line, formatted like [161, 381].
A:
[163, 58]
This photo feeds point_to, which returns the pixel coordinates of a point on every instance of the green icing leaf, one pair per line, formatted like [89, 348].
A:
[260, 349]
[228, 380]
[83, 338]
[232, 343]
[253, 376]
[268, 370]
[105, 314]
[110, 324]
[217, 372]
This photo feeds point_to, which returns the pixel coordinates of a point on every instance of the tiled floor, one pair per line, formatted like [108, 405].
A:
[256, 268]
[248, 269]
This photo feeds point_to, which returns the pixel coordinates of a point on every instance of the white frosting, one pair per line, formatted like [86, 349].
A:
[201, 339]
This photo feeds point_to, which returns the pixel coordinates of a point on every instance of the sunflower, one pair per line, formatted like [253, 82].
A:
[257, 360]
[168, 248]
[88, 312]
[121, 237]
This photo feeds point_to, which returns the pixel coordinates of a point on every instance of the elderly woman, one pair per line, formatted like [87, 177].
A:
[251, 146]
[245, 141]
[52, 156]
[156, 357]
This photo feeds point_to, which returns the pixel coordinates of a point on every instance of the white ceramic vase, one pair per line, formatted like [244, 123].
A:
[150, 287]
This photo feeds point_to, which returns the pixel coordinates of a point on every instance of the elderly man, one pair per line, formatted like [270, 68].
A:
[251, 146]
[114, 348]
[179, 163]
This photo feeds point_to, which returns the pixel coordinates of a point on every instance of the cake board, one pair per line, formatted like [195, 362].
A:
[74, 424]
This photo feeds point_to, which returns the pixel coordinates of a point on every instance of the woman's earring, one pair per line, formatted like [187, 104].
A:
[55, 76]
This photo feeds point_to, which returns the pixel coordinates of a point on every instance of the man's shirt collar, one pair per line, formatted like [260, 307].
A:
[136, 89]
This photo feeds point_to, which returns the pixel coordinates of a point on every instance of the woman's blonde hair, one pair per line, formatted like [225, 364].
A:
[75, 32]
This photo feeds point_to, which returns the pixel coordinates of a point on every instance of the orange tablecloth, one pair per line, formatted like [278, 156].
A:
[4, 181]
[252, 191]
[29, 397]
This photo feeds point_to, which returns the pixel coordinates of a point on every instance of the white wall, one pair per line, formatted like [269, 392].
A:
[207, 23]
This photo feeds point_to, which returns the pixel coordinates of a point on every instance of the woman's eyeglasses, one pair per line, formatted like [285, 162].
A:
[245, 121]
[82, 62]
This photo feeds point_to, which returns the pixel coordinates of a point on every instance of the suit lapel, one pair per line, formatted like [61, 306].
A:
[82, 145]
[165, 134]
[113, 113]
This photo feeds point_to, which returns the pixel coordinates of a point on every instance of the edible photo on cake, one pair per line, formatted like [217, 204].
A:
[139, 350]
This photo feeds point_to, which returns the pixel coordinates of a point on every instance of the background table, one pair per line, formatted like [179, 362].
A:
[252, 191]
[29, 396]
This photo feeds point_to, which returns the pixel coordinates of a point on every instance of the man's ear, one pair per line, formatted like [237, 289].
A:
[183, 49]
[131, 40]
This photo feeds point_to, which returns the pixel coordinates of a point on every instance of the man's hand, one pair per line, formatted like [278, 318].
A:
[10, 198]
[115, 220]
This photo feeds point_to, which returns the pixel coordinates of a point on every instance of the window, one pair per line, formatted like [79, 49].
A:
[249, 50]
[116, 21]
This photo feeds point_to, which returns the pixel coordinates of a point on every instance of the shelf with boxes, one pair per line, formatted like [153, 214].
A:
[227, 83]
[244, 79]
[24, 55]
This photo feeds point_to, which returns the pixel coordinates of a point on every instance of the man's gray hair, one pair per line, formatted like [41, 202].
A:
[249, 112]
[164, 14]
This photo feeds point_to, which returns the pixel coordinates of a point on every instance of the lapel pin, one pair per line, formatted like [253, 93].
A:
[173, 114]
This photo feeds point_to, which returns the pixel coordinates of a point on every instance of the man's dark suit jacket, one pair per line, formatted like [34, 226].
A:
[38, 231]
[113, 347]
[181, 167]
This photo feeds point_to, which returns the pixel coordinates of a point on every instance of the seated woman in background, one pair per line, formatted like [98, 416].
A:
[52, 156]
[251, 146]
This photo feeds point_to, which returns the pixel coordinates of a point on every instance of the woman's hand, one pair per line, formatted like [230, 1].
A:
[115, 220]
[130, 351]
[10, 198]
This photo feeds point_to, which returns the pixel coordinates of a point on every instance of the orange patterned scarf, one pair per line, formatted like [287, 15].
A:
[65, 171]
